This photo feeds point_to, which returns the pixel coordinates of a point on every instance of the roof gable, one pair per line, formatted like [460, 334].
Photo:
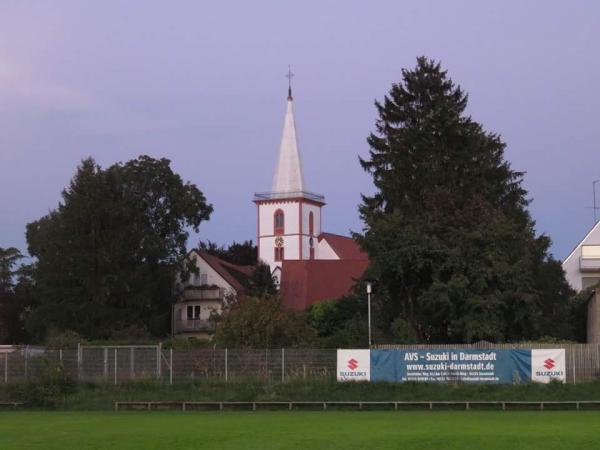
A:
[592, 235]
[345, 247]
[237, 276]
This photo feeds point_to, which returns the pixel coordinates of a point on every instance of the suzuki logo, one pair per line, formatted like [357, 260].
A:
[549, 363]
[352, 364]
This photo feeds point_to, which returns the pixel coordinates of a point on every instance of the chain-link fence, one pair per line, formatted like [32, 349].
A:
[118, 364]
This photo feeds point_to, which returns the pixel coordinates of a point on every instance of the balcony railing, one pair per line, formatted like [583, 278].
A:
[284, 195]
[193, 325]
[200, 293]
[589, 264]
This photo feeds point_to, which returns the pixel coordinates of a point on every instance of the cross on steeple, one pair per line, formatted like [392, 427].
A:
[289, 75]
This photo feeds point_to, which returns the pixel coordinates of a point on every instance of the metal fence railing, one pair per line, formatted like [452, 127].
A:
[118, 364]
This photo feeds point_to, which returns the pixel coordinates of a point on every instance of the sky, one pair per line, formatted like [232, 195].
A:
[203, 84]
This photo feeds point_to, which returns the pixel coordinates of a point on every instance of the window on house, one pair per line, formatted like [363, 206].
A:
[279, 222]
[311, 224]
[588, 282]
[203, 279]
[193, 312]
[278, 253]
[311, 243]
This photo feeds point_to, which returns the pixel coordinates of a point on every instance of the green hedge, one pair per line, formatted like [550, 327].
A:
[101, 396]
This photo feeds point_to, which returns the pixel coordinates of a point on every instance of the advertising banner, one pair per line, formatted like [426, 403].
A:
[353, 365]
[451, 365]
[547, 364]
[465, 365]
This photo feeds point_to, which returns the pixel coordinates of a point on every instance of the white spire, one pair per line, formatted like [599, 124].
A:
[288, 174]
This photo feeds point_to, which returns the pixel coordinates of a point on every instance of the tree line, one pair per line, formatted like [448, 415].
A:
[454, 254]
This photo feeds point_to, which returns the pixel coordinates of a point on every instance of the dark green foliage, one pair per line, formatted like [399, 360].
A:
[49, 389]
[8, 260]
[261, 283]
[577, 314]
[340, 323]
[451, 242]
[107, 255]
[12, 299]
[261, 322]
[87, 396]
[244, 254]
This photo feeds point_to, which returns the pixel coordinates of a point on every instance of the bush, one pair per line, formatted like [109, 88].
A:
[49, 389]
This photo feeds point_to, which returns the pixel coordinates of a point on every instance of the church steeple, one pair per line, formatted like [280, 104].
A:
[289, 175]
[288, 217]
[289, 76]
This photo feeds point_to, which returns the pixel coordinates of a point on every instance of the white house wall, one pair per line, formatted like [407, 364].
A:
[266, 213]
[267, 249]
[207, 308]
[325, 250]
[307, 208]
[213, 277]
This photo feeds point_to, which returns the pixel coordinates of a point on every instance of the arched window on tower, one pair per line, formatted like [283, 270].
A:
[279, 222]
[311, 223]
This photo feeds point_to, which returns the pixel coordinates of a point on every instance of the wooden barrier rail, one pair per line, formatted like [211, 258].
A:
[13, 405]
[323, 405]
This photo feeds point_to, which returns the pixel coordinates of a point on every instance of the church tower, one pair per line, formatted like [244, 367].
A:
[289, 217]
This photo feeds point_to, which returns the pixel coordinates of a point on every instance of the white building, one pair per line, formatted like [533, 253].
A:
[582, 266]
[203, 294]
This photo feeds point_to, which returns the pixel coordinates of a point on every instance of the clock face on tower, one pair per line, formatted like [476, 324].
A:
[279, 241]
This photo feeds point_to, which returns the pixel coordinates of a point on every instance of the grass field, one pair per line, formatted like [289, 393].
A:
[299, 430]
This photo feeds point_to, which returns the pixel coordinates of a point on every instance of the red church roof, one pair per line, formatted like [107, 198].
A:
[304, 282]
[345, 247]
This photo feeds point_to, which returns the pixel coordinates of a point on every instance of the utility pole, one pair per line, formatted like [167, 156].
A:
[594, 194]
[369, 287]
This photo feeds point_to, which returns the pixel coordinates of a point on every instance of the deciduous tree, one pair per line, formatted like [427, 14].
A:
[107, 255]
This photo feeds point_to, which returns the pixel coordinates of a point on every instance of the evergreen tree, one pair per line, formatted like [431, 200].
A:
[244, 254]
[9, 311]
[448, 232]
[262, 282]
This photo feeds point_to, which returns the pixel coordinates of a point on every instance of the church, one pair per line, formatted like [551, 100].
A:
[309, 264]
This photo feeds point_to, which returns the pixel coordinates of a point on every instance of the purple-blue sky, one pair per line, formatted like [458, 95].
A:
[202, 83]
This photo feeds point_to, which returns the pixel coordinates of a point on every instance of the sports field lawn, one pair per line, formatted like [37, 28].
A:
[300, 430]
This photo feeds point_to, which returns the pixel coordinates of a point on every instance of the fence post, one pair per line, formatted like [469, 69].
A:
[6, 367]
[574, 370]
[226, 366]
[60, 355]
[105, 354]
[26, 362]
[115, 366]
[171, 365]
[158, 356]
[282, 365]
[131, 362]
[597, 361]
[79, 361]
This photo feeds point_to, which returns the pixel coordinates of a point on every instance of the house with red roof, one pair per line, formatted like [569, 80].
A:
[204, 292]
